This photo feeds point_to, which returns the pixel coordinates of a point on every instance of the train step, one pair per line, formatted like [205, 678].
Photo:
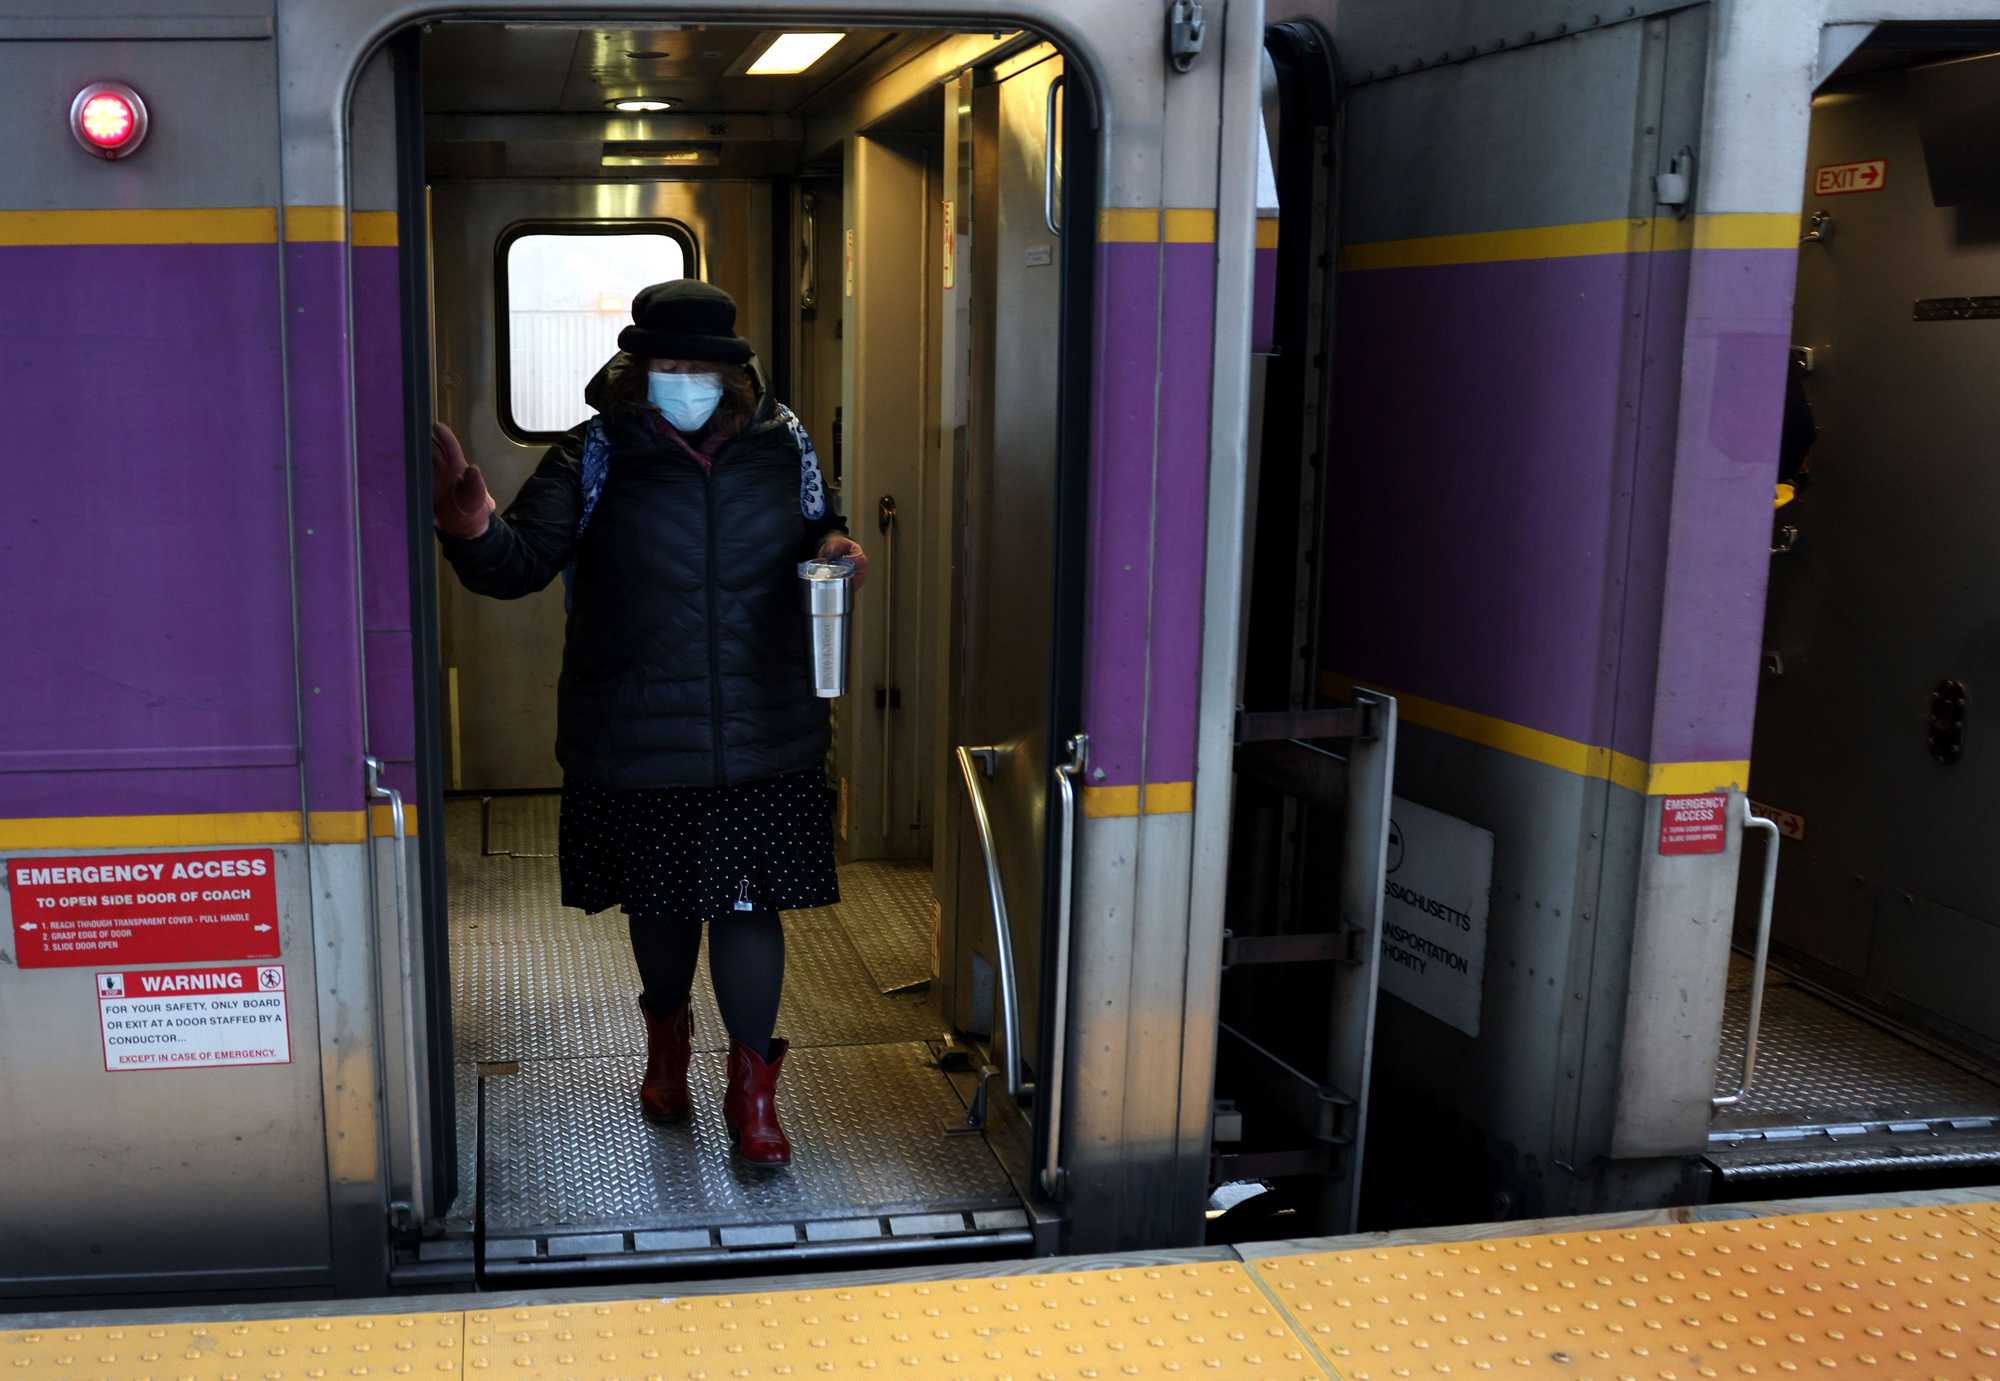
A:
[1855, 1150]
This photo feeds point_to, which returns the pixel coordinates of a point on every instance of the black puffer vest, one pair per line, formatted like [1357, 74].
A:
[686, 661]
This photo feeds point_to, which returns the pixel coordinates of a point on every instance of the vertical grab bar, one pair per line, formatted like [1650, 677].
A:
[808, 253]
[1049, 147]
[406, 966]
[886, 519]
[1760, 961]
[973, 764]
[1055, 1180]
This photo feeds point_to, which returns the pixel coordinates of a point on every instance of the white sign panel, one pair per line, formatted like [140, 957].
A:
[209, 1018]
[1434, 906]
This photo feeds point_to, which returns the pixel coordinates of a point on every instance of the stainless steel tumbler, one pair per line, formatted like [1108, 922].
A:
[827, 588]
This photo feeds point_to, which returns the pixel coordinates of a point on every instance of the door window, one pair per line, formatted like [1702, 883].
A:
[565, 295]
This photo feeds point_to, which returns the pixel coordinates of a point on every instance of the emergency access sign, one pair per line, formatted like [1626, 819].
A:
[143, 908]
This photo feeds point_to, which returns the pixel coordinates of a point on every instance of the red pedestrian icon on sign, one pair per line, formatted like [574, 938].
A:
[271, 979]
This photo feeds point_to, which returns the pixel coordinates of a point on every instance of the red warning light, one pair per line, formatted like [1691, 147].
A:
[108, 119]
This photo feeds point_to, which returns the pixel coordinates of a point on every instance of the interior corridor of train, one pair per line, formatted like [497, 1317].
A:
[884, 206]
[1879, 1039]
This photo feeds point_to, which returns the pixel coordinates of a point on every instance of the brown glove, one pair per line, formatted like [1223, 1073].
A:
[460, 503]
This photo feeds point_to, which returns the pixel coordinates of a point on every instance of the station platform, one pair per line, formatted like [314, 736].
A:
[1885, 1285]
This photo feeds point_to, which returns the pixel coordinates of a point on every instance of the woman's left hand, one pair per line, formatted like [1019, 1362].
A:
[838, 548]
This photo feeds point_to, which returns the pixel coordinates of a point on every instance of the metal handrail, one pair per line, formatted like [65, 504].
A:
[1049, 146]
[406, 966]
[1760, 961]
[987, 760]
[808, 252]
[885, 509]
[1054, 1177]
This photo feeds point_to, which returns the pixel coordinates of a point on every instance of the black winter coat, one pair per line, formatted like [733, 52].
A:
[685, 661]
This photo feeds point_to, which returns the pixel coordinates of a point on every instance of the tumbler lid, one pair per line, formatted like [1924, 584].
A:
[837, 568]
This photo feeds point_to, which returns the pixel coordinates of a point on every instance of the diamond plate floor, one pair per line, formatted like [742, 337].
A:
[531, 980]
[567, 1149]
[523, 826]
[886, 911]
[1819, 1064]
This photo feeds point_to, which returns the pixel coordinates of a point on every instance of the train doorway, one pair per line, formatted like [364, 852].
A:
[1870, 1018]
[892, 222]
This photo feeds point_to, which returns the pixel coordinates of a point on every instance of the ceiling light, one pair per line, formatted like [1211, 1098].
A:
[655, 156]
[641, 107]
[790, 54]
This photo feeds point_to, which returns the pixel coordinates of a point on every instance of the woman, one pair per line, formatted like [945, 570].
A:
[692, 745]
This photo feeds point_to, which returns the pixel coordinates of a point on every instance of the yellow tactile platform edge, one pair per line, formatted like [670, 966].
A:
[378, 1345]
[1194, 1320]
[1211, 1319]
[1904, 1292]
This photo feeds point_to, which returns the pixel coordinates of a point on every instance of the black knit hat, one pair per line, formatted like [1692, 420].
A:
[686, 319]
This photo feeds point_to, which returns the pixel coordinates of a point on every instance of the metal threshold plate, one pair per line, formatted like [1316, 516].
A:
[1875, 1154]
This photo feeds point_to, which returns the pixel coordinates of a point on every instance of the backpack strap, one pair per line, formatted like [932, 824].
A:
[812, 493]
[596, 467]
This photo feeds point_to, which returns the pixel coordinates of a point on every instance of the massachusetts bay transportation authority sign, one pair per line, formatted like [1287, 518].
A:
[1434, 909]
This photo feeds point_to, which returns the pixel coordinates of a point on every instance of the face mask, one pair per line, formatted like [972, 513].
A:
[687, 401]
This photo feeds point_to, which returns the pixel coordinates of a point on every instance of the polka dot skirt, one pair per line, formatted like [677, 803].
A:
[700, 852]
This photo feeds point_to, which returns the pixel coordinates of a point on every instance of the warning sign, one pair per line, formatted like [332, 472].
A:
[1694, 824]
[194, 1018]
[1838, 179]
[144, 908]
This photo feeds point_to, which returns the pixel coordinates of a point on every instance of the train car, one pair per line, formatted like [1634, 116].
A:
[1296, 770]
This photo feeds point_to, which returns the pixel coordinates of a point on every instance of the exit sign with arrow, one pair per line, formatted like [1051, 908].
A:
[1838, 179]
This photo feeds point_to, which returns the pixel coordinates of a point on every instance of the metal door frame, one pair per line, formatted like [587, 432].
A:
[1070, 543]
[430, 904]
[1076, 331]
[1077, 248]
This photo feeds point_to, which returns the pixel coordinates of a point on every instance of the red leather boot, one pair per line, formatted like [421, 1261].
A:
[663, 1093]
[751, 1105]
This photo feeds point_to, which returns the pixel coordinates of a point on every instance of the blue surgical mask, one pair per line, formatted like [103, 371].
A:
[687, 401]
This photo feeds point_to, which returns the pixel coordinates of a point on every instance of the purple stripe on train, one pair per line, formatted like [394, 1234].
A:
[1504, 544]
[385, 555]
[1114, 693]
[324, 499]
[1180, 517]
[1738, 339]
[1264, 302]
[145, 535]
[1478, 411]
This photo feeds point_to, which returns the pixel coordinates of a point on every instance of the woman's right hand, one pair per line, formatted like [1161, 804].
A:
[460, 502]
